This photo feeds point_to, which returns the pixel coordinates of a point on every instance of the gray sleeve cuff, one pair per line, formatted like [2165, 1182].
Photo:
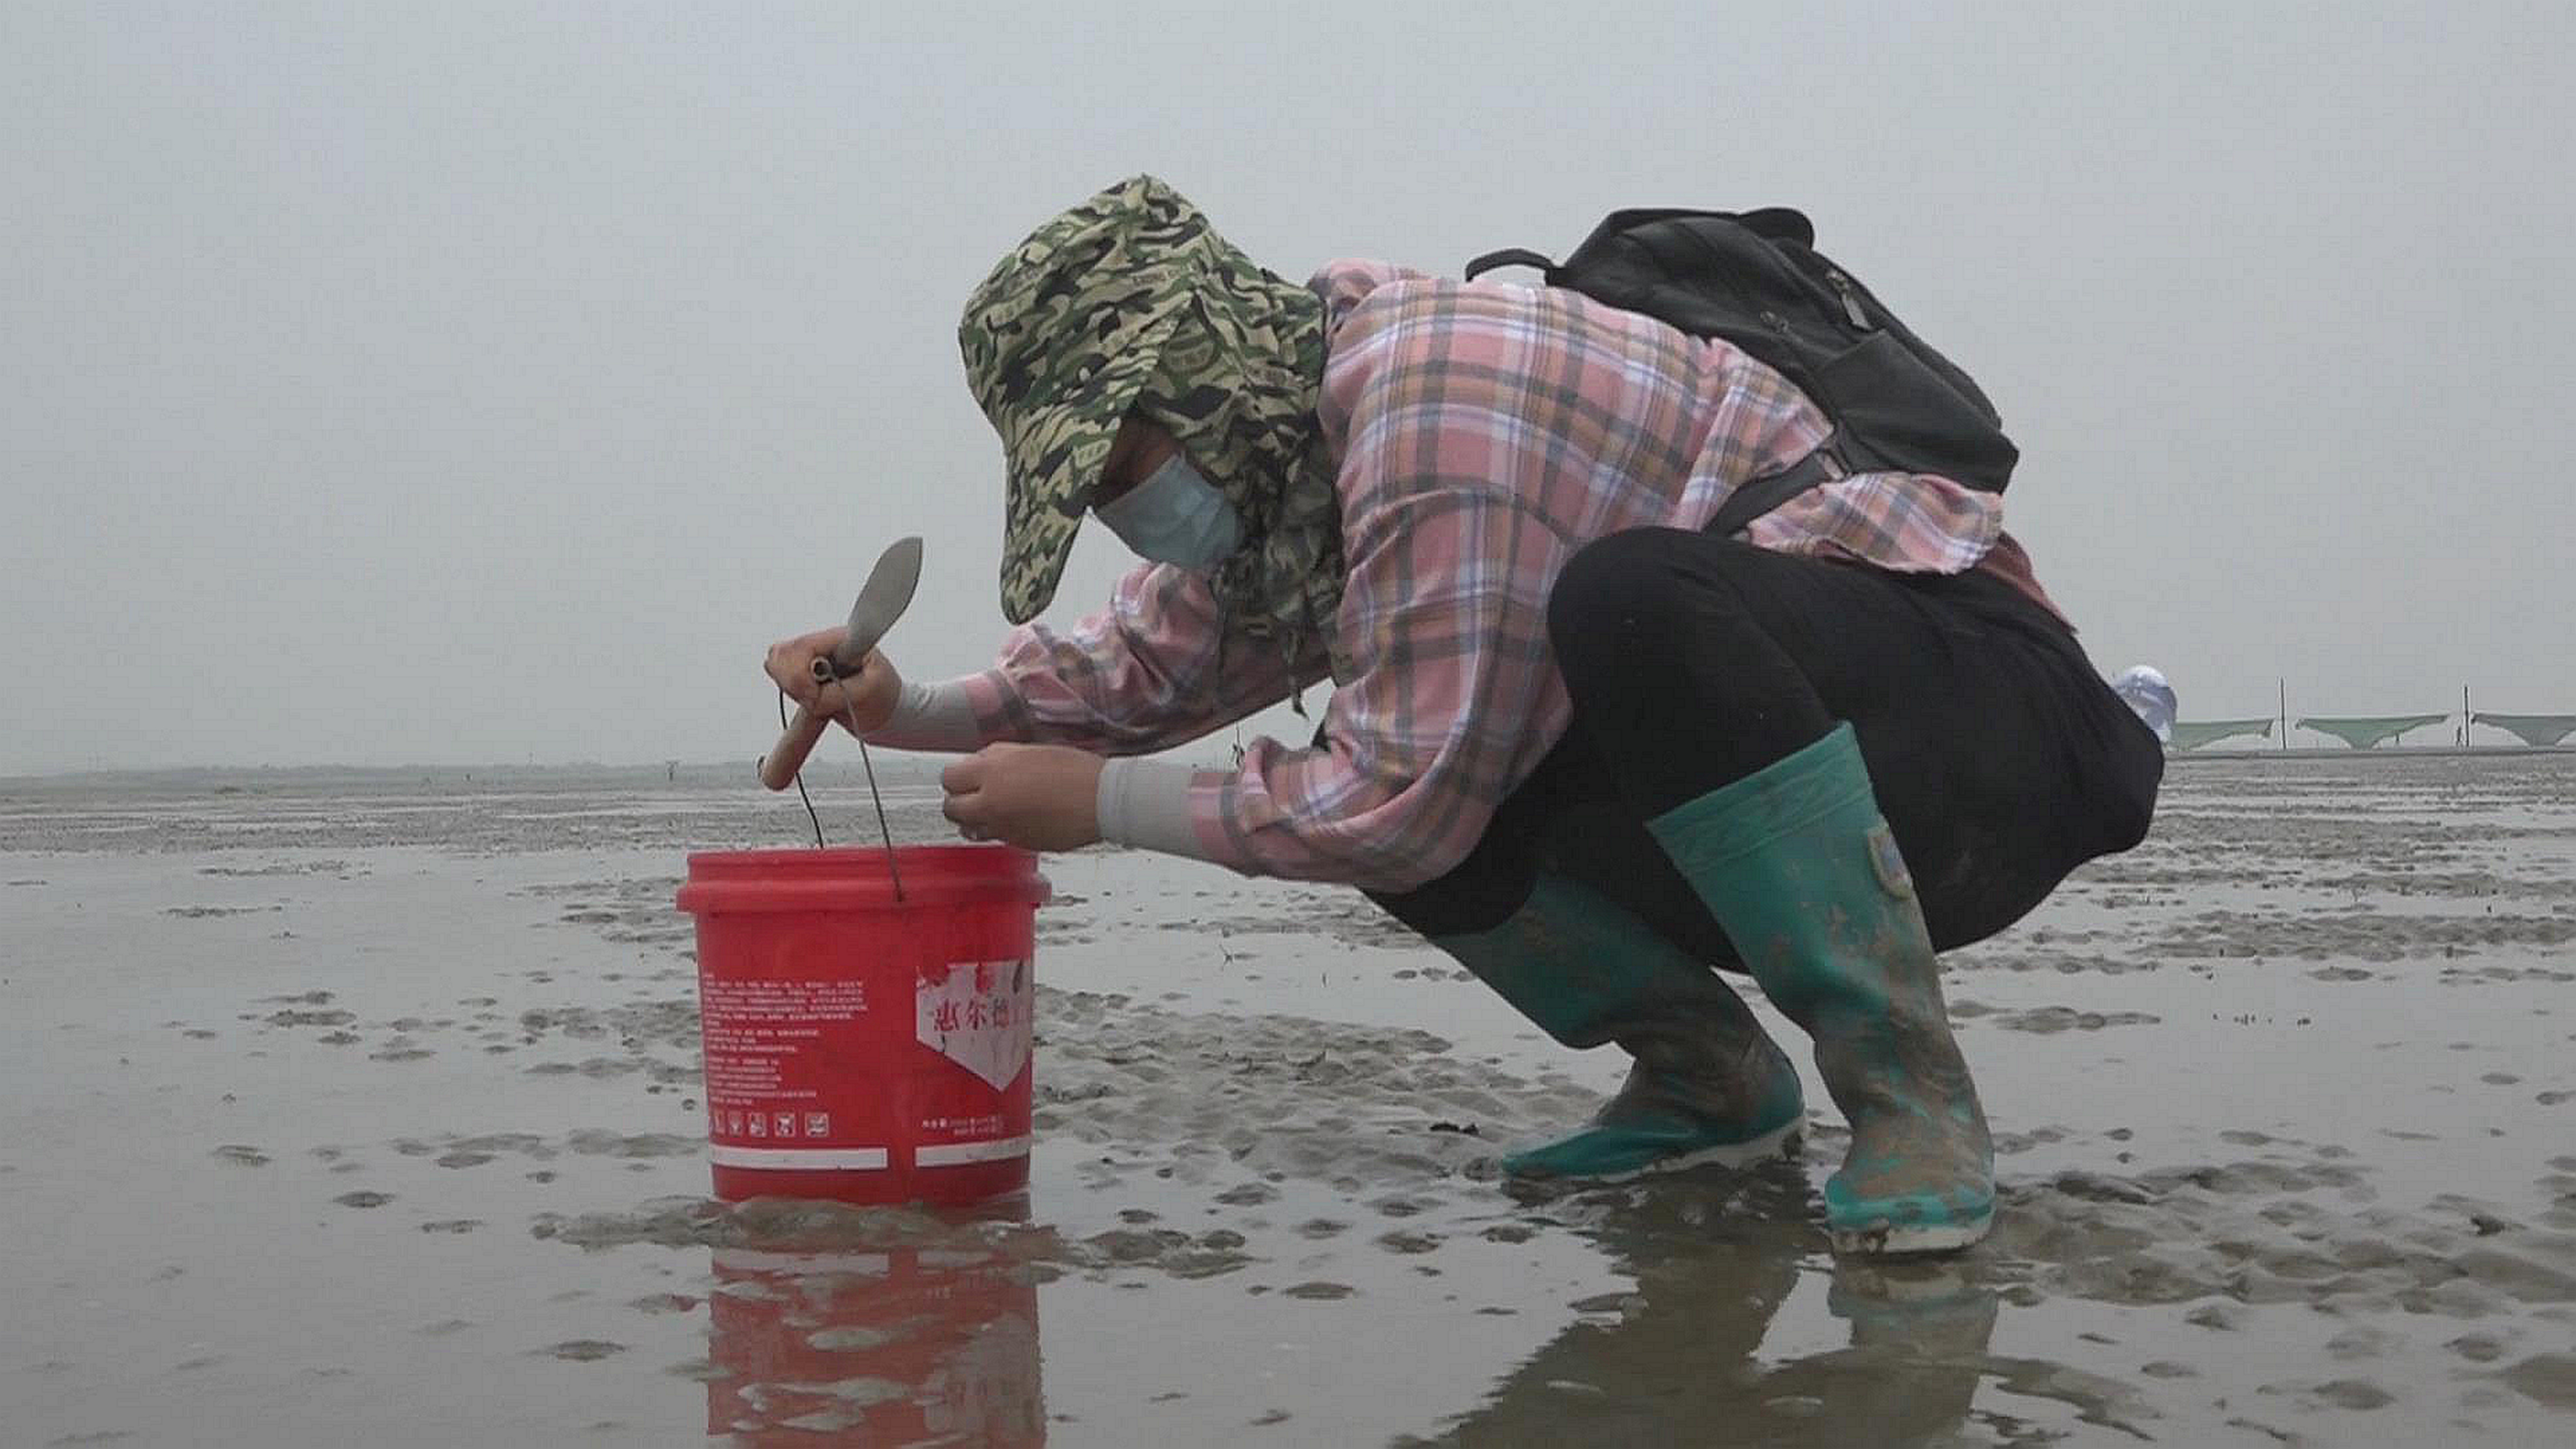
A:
[931, 717]
[1145, 803]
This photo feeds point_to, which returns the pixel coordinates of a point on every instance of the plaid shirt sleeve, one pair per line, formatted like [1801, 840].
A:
[1142, 675]
[1907, 522]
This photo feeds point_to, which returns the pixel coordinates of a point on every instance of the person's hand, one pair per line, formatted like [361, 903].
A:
[870, 694]
[1037, 797]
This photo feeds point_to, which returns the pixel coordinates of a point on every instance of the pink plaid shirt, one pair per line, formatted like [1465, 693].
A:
[1485, 431]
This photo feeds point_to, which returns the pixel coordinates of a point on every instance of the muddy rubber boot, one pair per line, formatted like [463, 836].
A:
[1796, 863]
[1708, 1086]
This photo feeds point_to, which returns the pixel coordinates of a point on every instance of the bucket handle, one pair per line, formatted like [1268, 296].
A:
[824, 673]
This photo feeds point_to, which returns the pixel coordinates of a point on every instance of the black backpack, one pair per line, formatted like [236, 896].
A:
[1754, 279]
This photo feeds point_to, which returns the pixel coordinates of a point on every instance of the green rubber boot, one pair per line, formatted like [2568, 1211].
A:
[1796, 863]
[1708, 1085]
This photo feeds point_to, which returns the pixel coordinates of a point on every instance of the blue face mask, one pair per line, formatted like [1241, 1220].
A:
[1175, 517]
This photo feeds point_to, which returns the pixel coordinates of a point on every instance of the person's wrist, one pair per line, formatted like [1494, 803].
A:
[1087, 793]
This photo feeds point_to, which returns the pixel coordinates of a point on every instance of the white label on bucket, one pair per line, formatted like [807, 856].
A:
[951, 1154]
[799, 1159]
[977, 1015]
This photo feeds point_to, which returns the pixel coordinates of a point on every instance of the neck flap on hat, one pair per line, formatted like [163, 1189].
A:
[1131, 301]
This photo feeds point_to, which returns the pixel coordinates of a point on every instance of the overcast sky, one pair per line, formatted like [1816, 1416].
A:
[458, 383]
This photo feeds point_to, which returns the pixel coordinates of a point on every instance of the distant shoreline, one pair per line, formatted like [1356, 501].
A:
[893, 767]
[2384, 752]
[842, 769]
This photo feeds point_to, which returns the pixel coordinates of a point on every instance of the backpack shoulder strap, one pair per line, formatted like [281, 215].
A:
[1759, 496]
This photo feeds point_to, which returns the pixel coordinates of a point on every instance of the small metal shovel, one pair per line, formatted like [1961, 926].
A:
[882, 600]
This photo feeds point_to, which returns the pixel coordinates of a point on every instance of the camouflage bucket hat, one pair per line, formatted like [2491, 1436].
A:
[1073, 330]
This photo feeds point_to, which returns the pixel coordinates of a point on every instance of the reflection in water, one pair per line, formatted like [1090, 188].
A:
[1682, 1363]
[903, 1342]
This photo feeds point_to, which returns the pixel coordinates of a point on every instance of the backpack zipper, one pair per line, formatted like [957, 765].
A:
[1851, 304]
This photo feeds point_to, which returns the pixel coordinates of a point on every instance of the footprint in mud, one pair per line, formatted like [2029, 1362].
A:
[293, 1017]
[308, 867]
[1168, 1251]
[363, 1199]
[599, 1142]
[2546, 1378]
[2357, 1394]
[596, 1068]
[2477, 1347]
[2049, 1020]
[246, 1156]
[581, 1350]
[2363, 1342]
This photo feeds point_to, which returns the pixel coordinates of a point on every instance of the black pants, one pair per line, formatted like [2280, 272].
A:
[2000, 759]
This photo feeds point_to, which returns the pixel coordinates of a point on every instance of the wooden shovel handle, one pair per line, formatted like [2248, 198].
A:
[778, 768]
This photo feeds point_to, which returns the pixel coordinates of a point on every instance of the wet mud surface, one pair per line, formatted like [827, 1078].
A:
[362, 1112]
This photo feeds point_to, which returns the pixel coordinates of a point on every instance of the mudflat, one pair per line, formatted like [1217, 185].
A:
[364, 1110]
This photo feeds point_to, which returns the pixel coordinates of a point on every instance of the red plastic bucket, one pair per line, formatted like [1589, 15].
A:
[858, 1048]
